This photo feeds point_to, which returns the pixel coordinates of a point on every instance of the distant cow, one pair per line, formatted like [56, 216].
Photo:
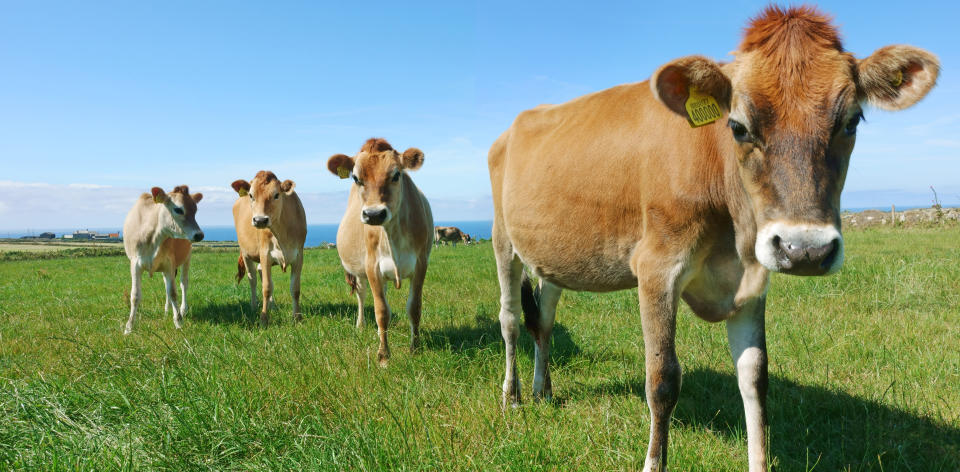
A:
[451, 234]
[692, 186]
[386, 233]
[271, 229]
[156, 238]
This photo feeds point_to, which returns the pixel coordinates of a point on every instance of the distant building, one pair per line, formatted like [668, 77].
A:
[83, 234]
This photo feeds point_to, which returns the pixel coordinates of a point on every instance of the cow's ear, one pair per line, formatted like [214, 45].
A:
[340, 165]
[197, 197]
[241, 186]
[412, 159]
[693, 87]
[158, 195]
[287, 186]
[896, 77]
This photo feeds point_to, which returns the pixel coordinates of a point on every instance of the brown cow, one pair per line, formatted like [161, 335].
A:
[386, 232]
[271, 229]
[451, 234]
[156, 237]
[634, 196]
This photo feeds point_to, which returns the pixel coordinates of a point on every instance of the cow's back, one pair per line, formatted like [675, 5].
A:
[576, 184]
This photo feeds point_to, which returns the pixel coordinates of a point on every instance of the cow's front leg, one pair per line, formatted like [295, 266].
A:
[748, 346]
[380, 307]
[184, 282]
[658, 310]
[295, 269]
[171, 292]
[251, 267]
[136, 275]
[415, 302]
[267, 285]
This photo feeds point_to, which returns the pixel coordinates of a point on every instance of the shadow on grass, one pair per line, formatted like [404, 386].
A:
[240, 313]
[813, 425]
[484, 332]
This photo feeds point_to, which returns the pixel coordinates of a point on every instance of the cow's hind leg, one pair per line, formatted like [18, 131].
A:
[136, 275]
[509, 272]
[539, 313]
[168, 281]
[748, 346]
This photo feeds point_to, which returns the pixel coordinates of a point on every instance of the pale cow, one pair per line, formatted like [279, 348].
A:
[271, 229]
[386, 232]
[451, 234]
[157, 235]
[616, 189]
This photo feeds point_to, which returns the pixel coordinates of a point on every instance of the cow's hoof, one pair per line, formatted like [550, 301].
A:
[383, 358]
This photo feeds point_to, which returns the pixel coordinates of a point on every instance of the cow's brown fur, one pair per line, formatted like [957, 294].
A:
[634, 197]
[395, 249]
[278, 243]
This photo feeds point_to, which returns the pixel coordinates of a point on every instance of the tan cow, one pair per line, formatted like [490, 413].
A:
[271, 229]
[634, 196]
[451, 234]
[156, 237]
[386, 232]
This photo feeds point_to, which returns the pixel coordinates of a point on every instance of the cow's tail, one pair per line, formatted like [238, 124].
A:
[241, 269]
[352, 282]
[530, 302]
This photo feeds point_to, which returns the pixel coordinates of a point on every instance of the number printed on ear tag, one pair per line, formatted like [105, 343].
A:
[702, 109]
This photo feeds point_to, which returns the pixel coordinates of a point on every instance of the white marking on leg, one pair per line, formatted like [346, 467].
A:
[184, 282]
[136, 275]
[171, 295]
[361, 293]
[745, 332]
[549, 297]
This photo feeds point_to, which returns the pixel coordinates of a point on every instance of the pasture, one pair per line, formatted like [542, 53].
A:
[864, 372]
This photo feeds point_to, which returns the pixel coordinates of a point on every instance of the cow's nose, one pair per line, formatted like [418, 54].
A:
[375, 216]
[261, 221]
[802, 258]
[198, 237]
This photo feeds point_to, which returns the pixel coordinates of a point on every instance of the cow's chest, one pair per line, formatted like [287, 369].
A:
[397, 261]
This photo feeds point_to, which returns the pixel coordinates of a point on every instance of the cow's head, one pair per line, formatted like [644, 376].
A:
[265, 194]
[378, 171]
[178, 218]
[793, 99]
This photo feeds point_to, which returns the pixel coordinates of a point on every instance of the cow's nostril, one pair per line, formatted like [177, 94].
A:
[198, 237]
[828, 253]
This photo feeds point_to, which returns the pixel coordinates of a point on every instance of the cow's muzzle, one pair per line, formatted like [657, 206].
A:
[375, 215]
[800, 249]
[261, 221]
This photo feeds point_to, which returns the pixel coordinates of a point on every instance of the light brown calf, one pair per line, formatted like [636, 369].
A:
[633, 196]
[386, 232]
[271, 229]
[156, 238]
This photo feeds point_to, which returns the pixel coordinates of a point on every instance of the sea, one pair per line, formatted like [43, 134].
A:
[316, 234]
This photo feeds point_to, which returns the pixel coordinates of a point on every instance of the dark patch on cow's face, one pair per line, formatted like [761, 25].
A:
[793, 144]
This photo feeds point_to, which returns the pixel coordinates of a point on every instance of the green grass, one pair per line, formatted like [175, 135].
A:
[865, 372]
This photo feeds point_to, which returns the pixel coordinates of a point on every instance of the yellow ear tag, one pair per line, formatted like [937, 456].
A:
[702, 109]
[242, 192]
[343, 172]
[158, 199]
[898, 79]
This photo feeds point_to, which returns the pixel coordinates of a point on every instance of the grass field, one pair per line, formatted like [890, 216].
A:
[864, 365]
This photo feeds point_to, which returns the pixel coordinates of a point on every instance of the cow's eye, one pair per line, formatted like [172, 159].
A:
[396, 176]
[740, 132]
[276, 196]
[250, 195]
[178, 211]
[356, 179]
[851, 128]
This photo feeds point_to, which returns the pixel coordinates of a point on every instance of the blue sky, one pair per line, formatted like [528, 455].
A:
[100, 101]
